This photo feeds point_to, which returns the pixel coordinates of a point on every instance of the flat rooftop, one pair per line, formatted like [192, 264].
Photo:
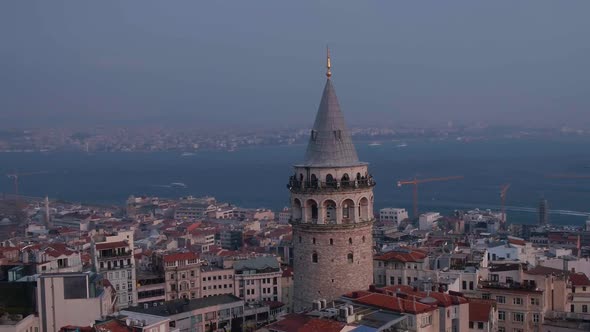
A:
[179, 306]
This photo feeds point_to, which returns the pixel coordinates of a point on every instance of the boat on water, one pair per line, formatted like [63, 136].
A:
[374, 144]
[402, 145]
[178, 184]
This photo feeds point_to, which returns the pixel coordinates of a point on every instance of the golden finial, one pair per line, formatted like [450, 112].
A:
[328, 64]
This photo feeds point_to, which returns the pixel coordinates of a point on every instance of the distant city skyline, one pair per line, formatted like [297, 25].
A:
[210, 65]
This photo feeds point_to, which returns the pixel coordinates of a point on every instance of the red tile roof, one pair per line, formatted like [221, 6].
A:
[111, 245]
[181, 256]
[579, 279]
[518, 242]
[395, 303]
[479, 311]
[304, 323]
[412, 255]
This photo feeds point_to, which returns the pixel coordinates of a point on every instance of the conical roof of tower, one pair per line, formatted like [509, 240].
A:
[330, 143]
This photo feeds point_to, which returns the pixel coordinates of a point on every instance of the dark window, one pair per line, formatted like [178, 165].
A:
[314, 257]
[349, 240]
[331, 242]
[350, 258]
[74, 287]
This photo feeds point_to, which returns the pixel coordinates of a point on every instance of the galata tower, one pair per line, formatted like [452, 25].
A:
[332, 211]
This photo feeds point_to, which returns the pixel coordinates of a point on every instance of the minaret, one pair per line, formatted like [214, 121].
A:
[332, 210]
[47, 214]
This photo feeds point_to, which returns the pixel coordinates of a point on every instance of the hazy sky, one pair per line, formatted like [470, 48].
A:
[261, 63]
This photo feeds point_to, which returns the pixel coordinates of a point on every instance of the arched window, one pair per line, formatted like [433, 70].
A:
[331, 242]
[311, 208]
[297, 210]
[314, 181]
[364, 212]
[329, 211]
[349, 240]
[314, 257]
[330, 182]
[350, 258]
[345, 180]
[348, 211]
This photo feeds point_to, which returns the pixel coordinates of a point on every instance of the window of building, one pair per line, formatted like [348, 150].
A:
[300, 239]
[534, 301]
[518, 317]
[584, 308]
[517, 301]
[480, 325]
[501, 315]
[350, 258]
[501, 299]
[485, 296]
[349, 240]
[75, 287]
[464, 284]
[572, 308]
[314, 257]
[313, 240]
[392, 280]
[536, 318]
[470, 324]
[331, 242]
[399, 280]
[471, 285]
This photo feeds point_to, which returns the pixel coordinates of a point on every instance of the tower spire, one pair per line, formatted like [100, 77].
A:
[328, 64]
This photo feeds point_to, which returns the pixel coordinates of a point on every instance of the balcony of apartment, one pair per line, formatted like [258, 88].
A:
[313, 186]
[562, 315]
[112, 253]
[490, 284]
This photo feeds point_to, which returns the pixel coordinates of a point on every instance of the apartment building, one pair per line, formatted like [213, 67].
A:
[182, 275]
[401, 266]
[213, 313]
[578, 289]
[394, 215]
[258, 279]
[114, 261]
[216, 281]
[72, 299]
[524, 297]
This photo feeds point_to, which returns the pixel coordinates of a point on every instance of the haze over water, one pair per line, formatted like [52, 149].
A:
[257, 177]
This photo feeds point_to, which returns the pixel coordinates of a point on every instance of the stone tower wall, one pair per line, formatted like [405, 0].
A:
[333, 275]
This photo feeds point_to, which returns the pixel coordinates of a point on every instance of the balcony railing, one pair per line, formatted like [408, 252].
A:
[505, 285]
[312, 186]
[561, 315]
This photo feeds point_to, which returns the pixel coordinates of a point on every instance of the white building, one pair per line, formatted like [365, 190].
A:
[113, 259]
[258, 279]
[426, 220]
[72, 299]
[395, 215]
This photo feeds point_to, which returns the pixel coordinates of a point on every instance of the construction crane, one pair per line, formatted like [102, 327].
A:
[16, 175]
[503, 192]
[416, 182]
